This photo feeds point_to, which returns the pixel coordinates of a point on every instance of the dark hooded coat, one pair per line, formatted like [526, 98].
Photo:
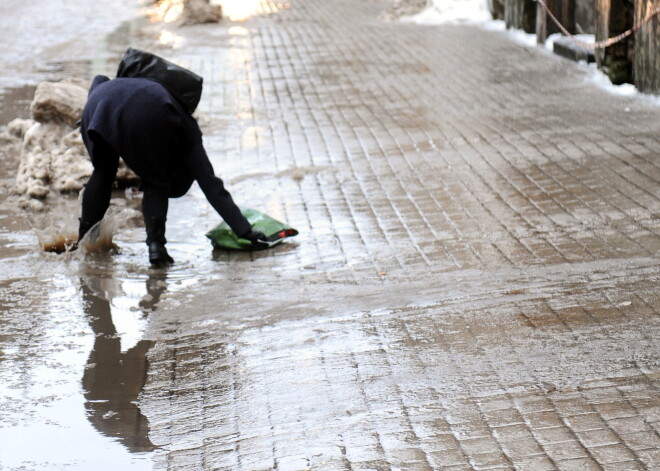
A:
[139, 120]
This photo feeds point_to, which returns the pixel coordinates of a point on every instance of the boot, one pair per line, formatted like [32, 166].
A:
[156, 241]
[158, 254]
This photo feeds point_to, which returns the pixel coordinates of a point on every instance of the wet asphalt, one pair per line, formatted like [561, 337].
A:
[474, 286]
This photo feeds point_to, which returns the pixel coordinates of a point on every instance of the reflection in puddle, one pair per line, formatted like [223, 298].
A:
[47, 421]
[117, 367]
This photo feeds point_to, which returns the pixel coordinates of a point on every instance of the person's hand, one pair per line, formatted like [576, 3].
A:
[258, 239]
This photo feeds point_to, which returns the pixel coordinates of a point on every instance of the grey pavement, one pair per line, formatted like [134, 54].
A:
[475, 284]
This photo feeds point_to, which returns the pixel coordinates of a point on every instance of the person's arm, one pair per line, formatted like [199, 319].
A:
[215, 191]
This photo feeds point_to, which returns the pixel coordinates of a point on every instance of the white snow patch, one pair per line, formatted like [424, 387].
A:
[581, 38]
[519, 36]
[585, 38]
[598, 78]
[452, 12]
[550, 41]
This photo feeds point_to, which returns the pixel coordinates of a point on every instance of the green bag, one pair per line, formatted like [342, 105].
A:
[222, 237]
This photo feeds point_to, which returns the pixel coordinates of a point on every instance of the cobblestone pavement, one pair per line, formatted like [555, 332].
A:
[476, 281]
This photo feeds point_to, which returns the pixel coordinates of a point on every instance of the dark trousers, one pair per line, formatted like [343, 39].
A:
[97, 193]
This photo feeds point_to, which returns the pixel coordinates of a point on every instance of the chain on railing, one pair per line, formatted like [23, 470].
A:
[599, 44]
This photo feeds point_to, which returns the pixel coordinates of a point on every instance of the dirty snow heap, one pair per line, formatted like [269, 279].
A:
[53, 156]
[201, 11]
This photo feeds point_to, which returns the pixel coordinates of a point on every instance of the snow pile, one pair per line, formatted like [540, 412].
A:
[201, 11]
[53, 156]
[452, 12]
[59, 102]
[602, 81]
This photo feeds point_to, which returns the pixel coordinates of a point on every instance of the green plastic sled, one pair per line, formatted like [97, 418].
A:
[222, 237]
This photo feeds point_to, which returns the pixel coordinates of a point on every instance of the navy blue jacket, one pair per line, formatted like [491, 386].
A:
[139, 120]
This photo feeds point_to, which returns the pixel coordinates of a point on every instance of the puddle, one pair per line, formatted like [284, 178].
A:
[73, 351]
[53, 330]
[73, 357]
[116, 369]
[72, 347]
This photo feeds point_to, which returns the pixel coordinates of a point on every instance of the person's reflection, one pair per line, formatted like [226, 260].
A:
[113, 380]
[156, 286]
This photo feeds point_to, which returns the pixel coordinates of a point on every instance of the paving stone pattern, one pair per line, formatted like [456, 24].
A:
[476, 281]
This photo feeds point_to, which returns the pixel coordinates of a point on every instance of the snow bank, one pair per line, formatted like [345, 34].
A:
[598, 78]
[201, 11]
[53, 156]
[452, 12]
[59, 102]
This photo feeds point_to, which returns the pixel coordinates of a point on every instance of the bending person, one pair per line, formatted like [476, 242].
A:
[139, 120]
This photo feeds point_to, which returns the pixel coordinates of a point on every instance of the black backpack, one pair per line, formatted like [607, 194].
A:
[184, 85]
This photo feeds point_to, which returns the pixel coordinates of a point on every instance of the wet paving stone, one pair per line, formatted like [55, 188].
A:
[475, 285]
